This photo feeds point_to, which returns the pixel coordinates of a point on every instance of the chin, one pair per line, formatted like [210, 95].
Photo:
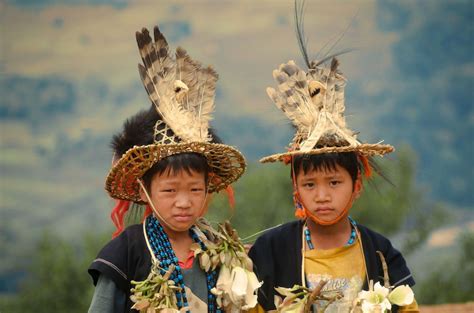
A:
[324, 218]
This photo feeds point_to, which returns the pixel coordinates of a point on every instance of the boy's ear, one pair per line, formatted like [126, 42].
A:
[358, 186]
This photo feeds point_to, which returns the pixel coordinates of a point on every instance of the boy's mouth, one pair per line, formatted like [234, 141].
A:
[183, 217]
[324, 210]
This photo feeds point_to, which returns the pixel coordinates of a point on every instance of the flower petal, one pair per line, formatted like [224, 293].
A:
[386, 305]
[224, 281]
[239, 284]
[402, 295]
[379, 289]
[252, 285]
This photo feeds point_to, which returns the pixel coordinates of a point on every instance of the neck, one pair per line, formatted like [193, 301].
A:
[329, 236]
[180, 241]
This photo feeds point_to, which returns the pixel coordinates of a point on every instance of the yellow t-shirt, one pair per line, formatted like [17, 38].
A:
[344, 270]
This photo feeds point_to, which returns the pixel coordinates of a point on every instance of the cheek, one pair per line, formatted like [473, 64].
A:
[198, 198]
[162, 203]
[347, 192]
[305, 195]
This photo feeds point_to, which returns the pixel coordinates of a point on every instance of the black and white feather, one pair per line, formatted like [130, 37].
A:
[179, 87]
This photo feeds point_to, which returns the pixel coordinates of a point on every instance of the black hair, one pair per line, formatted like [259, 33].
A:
[328, 161]
[189, 162]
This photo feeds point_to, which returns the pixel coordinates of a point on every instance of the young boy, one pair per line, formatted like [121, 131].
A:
[325, 250]
[171, 161]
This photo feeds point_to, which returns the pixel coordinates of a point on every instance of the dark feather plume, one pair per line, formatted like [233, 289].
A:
[299, 23]
[137, 131]
[330, 57]
[334, 65]
[302, 40]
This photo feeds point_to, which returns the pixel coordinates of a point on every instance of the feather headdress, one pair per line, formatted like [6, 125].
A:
[314, 103]
[181, 90]
[182, 93]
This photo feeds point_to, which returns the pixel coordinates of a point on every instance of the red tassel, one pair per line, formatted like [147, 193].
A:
[117, 215]
[286, 159]
[230, 195]
[299, 212]
[366, 165]
[147, 212]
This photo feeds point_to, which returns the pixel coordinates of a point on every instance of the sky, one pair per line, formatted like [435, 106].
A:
[69, 78]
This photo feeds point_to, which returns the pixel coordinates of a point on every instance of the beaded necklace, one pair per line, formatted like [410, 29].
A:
[161, 246]
[351, 240]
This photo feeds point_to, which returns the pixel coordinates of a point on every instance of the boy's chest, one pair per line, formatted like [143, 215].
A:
[343, 269]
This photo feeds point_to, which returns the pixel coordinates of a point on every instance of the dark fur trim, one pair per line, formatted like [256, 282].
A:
[138, 130]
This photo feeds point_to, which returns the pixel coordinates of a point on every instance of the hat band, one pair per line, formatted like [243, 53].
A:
[163, 134]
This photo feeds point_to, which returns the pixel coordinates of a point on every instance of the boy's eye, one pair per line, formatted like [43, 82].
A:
[168, 190]
[308, 185]
[334, 182]
[197, 189]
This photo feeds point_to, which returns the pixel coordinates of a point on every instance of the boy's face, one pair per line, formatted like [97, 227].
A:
[179, 197]
[325, 193]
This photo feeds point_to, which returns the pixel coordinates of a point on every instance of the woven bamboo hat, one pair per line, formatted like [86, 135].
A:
[182, 92]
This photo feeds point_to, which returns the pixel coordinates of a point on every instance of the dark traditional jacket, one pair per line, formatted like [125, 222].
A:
[277, 260]
[123, 259]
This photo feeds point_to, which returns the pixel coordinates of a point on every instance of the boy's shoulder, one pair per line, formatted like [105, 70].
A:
[278, 249]
[133, 231]
[131, 241]
[398, 270]
[123, 258]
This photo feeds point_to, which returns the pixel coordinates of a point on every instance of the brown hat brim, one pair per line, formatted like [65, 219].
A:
[226, 164]
[365, 149]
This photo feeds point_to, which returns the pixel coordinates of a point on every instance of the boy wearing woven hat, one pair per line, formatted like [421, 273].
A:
[171, 161]
[325, 261]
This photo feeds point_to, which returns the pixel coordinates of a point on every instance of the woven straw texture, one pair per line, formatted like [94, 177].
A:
[226, 165]
[365, 149]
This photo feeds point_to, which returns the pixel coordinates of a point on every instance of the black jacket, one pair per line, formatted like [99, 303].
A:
[277, 260]
[123, 259]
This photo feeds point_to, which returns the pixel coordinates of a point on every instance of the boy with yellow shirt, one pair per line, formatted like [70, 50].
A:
[325, 249]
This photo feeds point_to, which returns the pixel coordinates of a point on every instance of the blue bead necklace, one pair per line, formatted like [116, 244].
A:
[163, 251]
[351, 240]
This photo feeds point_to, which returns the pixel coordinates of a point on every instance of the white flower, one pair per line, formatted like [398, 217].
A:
[236, 288]
[224, 281]
[252, 285]
[375, 300]
[402, 295]
[291, 303]
[239, 285]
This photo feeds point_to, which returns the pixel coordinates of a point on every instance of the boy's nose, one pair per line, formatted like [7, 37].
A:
[183, 201]
[321, 195]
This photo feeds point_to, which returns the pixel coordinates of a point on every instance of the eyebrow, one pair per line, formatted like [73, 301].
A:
[174, 182]
[326, 176]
